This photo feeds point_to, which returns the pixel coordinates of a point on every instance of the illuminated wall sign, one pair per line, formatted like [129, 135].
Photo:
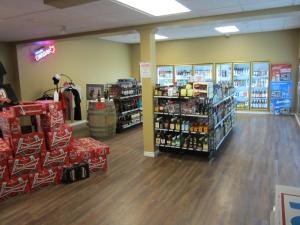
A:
[43, 52]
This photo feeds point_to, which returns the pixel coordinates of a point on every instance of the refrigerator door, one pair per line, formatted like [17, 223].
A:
[203, 73]
[241, 82]
[260, 86]
[223, 72]
[183, 74]
[165, 75]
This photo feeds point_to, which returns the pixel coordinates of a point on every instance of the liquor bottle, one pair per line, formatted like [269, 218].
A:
[157, 140]
[172, 123]
[178, 141]
[157, 122]
[169, 140]
[174, 141]
[163, 139]
[177, 125]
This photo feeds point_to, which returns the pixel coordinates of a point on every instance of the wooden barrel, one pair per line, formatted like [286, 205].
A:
[102, 120]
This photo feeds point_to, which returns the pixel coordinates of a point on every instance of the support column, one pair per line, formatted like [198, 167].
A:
[148, 55]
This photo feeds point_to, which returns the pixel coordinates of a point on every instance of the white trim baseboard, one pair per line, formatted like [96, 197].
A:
[151, 154]
[253, 112]
[297, 118]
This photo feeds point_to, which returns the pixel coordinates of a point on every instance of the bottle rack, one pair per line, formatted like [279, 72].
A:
[127, 97]
[204, 131]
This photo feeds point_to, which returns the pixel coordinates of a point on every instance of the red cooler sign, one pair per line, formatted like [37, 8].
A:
[281, 72]
[43, 52]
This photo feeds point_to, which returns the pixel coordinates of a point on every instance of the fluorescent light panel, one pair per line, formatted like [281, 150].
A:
[227, 29]
[156, 7]
[160, 37]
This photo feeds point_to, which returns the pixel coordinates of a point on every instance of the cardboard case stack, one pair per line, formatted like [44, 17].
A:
[29, 161]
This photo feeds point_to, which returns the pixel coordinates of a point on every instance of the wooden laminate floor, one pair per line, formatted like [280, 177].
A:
[237, 188]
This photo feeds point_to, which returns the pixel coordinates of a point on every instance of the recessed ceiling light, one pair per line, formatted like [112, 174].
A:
[156, 7]
[160, 37]
[227, 29]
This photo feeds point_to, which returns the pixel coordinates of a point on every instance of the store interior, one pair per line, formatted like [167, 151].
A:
[171, 120]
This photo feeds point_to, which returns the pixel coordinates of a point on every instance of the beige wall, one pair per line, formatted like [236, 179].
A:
[276, 47]
[8, 59]
[85, 60]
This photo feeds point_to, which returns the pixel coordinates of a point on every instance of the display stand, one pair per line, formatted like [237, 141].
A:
[202, 132]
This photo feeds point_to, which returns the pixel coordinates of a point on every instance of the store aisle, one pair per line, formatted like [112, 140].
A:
[237, 188]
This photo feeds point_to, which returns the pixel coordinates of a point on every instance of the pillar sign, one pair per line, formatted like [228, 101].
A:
[43, 52]
[145, 70]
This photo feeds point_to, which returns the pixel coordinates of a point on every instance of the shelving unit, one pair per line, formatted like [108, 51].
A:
[126, 94]
[207, 137]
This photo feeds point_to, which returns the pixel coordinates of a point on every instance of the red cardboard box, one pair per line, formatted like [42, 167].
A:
[98, 163]
[60, 137]
[45, 178]
[50, 106]
[23, 165]
[26, 109]
[98, 147]
[55, 158]
[29, 144]
[13, 187]
[73, 156]
[10, 124]
[5, 153]
[4, 174]
[53, 120]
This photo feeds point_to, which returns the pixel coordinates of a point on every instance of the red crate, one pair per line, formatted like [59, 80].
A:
[26, 109]
[59, 138]
[45, 178]
[5, 153]
[98, 147]
[29, 144]
[50, 106]
[51, 121]
[14, 186]
[10, 125]
[23, 165]
[58, 157]
[97, 163]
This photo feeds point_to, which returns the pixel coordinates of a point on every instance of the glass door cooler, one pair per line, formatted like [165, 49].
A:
[223, 72]
[203, 73]
[183, 74]
[241, 82]
[260, 86]
[165, 75]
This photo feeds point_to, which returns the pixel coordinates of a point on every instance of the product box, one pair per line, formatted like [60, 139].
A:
[203, 89]
[14, 186]
[50, 106]
[52, 120]
[5, 153]
[59, 138]
[97, 163]
[75, 172]
[10, 124]
[29, 144]
[55, 158]
[97, 147]
[45, 178]
[21, 165]
[26, 109]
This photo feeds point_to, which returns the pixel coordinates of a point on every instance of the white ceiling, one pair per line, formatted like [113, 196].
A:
[29, 19]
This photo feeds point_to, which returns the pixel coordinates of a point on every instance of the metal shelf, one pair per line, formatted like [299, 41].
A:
[195, 115]
[168, 146]
[224, 99]
[192, 132]
[222, 140]
[160, 129]
[126, 97]
[169, 114]
[225, 117]
[169, 97]
[129, 111]
[130, 125]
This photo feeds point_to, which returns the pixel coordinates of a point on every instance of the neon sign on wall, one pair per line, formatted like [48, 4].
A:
[43, 52]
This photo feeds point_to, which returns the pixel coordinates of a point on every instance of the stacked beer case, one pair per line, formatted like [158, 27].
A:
[36, 158]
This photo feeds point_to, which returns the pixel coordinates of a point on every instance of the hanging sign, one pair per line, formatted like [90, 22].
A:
[43, 52]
